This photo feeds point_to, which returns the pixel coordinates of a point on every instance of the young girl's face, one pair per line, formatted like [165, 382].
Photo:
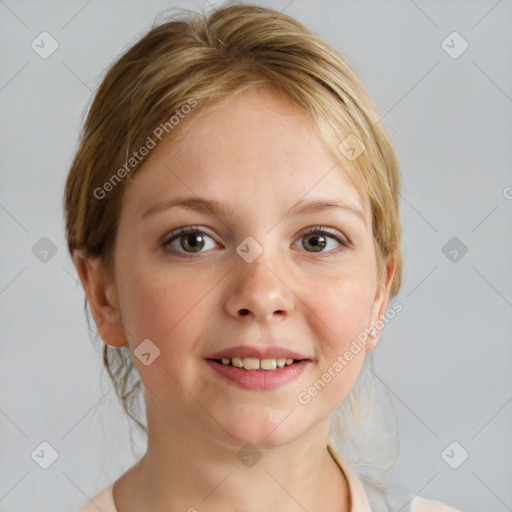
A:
[256, 280]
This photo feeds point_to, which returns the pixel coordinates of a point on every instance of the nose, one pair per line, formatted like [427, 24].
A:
[259, 291]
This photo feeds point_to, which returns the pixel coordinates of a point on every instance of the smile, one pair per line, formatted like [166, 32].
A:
[252, 363]
[258, 374]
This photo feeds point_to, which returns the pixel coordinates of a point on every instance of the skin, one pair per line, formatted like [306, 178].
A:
[260, 155]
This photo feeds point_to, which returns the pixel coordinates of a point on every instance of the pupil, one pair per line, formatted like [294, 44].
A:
[193, 241]
[318, 241]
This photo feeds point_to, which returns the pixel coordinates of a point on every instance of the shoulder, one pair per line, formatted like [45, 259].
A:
[370, 496]
[103, 501]
[394, 496]
[420, 504]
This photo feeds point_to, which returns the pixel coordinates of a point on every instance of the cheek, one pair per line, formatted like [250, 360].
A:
[342, 308]
[158, 304]
[340, 314]
[165, 308]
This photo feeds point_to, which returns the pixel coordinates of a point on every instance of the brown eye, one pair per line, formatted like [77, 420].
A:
[317, 239]
[316, 242]
[187, 241]
[194, 242]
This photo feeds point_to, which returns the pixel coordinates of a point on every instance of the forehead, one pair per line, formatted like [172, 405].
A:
[257, 148]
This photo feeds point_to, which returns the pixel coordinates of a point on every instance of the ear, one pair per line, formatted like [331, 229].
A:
[380, 301]
[102, 297]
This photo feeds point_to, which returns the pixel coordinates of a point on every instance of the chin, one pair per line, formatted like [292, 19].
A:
[266, 431]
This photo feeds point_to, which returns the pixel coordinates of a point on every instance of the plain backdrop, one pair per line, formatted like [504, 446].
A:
[446, 358]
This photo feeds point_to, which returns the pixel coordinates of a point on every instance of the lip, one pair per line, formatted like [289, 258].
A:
[269, 352]
[259, 380]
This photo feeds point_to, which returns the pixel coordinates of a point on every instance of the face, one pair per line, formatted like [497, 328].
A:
[252, 279]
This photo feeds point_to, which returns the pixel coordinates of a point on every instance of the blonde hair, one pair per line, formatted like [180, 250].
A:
[209, 59]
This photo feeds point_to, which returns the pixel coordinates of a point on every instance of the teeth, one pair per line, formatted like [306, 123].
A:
[281, 361]
[252, 363]
[268, 364]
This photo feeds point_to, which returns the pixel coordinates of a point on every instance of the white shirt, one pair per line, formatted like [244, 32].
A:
[364, 498]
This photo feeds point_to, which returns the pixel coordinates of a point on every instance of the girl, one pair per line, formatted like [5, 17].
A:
[232, 213]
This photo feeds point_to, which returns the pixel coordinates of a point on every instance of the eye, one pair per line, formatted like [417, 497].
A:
[317, 239]
[191, 240]
[187, 240]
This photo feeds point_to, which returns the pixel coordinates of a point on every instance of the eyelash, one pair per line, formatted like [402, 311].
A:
[178, 233]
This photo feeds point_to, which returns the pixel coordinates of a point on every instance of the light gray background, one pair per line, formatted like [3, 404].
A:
[446, 358]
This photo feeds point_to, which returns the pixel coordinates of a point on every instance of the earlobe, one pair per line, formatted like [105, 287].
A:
[102, 298]
[373, 339]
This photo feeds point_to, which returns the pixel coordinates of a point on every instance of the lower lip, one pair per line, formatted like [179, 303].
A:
[259, 380]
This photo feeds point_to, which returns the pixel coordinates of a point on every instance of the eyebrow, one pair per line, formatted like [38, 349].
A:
[214, 207]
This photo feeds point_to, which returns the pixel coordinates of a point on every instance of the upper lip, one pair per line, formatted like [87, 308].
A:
[252, 351]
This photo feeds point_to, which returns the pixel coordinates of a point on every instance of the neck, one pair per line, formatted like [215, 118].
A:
[185, 470]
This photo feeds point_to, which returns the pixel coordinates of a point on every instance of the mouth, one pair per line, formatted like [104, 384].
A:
[258, 368]
[255, 364]
[256, 374]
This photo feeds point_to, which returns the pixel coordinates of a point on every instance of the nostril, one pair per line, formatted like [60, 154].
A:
[244, 312]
